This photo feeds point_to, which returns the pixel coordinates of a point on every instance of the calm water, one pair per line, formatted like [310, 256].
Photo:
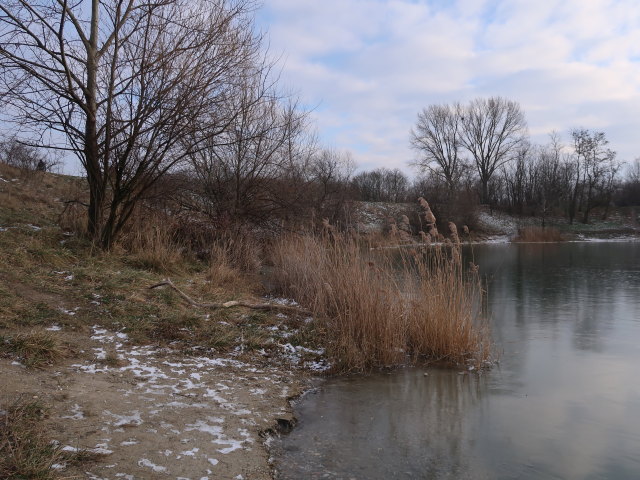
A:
[564, 402]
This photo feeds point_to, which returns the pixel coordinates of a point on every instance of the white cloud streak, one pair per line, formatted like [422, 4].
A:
[371, 65]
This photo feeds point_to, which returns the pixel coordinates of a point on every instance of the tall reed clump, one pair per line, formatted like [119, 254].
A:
[234, 257]
[152, 242]
[384, 307]
[539, 234]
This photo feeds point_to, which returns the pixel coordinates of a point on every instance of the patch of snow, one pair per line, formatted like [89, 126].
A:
[282, 301]
[54, 328]
[102, 449]
[190, 453]
[77, 413]
[319, 366]
[122, 420]
[144, 462]
[91, 368]
[213, 462]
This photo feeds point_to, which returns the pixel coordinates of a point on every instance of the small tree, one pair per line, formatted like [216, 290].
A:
[132, 87]
[596, 166]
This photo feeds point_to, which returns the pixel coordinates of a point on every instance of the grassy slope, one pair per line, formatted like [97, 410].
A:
[49, 276]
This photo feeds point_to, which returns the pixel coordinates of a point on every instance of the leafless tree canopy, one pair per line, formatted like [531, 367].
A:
[133, 88]
[490, 130]
[437, 137]
[25, 157]
[493, 129]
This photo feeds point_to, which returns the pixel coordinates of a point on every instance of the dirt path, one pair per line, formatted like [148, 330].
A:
[156, 414]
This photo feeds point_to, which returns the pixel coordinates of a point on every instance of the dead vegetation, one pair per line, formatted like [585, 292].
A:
[387, 307]
[26, 448]
[372, 309]
[35, 349]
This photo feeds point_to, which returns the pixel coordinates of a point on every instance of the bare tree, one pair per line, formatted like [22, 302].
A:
[630, 189]
[437, 139]
[132, 87]
[597, 168]
[25, 157]
[381, 185]
[551, 166]
[240, 171]
[330, 173]
[492, 130]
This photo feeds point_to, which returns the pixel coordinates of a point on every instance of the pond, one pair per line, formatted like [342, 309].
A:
[562, 403]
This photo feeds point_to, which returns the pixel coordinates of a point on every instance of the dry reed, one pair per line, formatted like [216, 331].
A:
[384, 308]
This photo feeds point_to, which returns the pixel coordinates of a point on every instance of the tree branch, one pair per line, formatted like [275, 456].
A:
[232, 303]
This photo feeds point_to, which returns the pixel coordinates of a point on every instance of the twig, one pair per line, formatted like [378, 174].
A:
[232, 303]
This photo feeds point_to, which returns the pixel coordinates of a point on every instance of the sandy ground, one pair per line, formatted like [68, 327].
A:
[154, 413]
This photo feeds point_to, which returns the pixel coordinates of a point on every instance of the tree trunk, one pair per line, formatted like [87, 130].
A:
[91, 150]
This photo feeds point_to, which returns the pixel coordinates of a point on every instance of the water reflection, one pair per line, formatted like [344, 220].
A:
[563, 403]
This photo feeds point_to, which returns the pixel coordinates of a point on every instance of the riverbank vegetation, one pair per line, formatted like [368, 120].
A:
[371, 308]
[385, 307]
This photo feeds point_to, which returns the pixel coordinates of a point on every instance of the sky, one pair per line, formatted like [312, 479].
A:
[367, 67]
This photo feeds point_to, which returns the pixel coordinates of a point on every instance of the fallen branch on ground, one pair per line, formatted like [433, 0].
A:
[233, 303]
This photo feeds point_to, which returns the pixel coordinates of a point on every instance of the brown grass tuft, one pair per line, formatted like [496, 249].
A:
[25, 450]
[152, 244]
[539, 234]
[385, 307]
[36, 349]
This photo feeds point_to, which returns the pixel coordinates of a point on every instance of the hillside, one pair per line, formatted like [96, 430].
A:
[126, 381]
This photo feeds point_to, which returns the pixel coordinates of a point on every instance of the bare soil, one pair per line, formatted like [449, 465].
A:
[151, 412]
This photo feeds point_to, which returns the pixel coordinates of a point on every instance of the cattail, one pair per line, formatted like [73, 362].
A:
[404, 224]
[454, 232]
[427, 214]
[426, 238]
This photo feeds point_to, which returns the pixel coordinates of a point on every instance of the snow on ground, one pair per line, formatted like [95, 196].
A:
[155, 413]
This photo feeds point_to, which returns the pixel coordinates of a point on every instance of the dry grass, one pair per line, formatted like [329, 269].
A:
[152, 243]
[384, 308]
[35, 349]
[25, 450]
[233, 260]
[539, 234]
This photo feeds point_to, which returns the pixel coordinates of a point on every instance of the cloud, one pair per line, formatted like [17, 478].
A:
[371, 65]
